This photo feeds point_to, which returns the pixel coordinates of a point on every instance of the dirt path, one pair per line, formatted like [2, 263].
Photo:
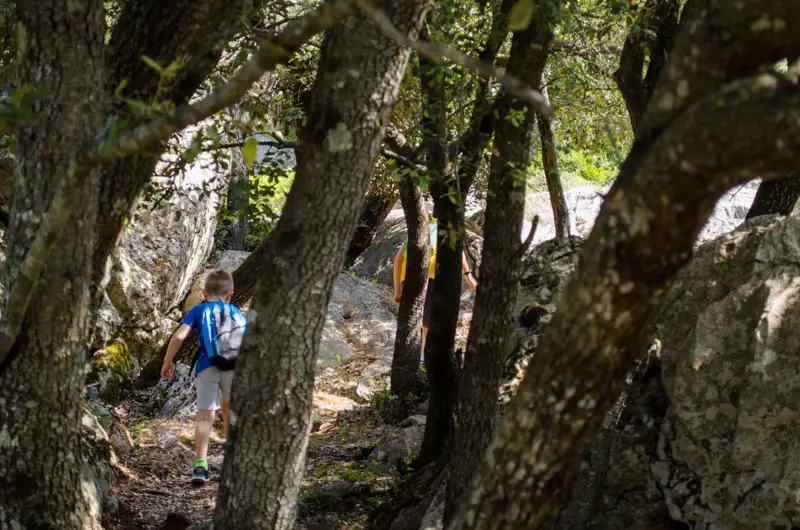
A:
[340, 486]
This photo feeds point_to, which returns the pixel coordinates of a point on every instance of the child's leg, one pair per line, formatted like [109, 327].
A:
[202, 433]
[226, 381]
[208, 390]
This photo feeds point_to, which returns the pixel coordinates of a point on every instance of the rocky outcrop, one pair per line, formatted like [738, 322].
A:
[727, 452]
[400, 444]
[99, 469]
[706, 434]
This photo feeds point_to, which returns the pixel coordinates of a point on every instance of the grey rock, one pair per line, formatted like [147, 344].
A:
[434, 515]
[399, 445]
[374, 378]
[98, 470]
[731, 349]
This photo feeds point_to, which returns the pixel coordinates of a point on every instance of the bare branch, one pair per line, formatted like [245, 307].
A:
[514, 86]
[583, 49]
[269, 55]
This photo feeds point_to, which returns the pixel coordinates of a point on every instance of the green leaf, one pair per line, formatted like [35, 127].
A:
[521, 15]
[120, 87]
[153, 64]
[249, 150]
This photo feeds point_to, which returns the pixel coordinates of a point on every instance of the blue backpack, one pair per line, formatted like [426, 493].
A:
[222, 330]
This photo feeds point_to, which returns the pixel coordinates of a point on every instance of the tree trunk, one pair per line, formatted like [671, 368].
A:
[275, 379]
[439, 355]
[651, 36]
[777, 196]
[405, 361]
[41, 382]
[728, 128]
[194, 32]
[440, 361]
[492, 320]
[238, 203]
[547, 135]
[377, 205]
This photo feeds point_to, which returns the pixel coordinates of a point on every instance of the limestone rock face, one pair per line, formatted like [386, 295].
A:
[727, 456]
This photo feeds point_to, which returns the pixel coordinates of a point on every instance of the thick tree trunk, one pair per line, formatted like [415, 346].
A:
[194, 32]
[41, 382]
[547, 135]
[777, 196]
[275, 379]
[376, 206]
[405, 361]
[636, 248]
[492, 320]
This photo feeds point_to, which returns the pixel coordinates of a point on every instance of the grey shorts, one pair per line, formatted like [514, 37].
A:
[213, 387]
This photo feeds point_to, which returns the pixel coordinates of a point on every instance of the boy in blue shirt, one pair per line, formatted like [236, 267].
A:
[220, 327]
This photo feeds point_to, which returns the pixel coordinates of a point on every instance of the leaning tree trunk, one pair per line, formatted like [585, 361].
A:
[725, 127]
[547, 135]
[376, 206]
[274, 383]
[405, 361]
[492, 320]
[41, 381]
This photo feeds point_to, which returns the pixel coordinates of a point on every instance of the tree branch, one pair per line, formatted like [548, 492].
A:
[269, 55]
[514, 86]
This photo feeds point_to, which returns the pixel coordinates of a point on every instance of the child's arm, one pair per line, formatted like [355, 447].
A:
[398, 264]
[172, 349]
[467, 273]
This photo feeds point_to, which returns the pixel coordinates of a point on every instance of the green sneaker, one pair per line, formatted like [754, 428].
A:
[200, 472]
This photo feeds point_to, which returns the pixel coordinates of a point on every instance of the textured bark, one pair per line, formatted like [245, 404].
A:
[275, 378]
[377, 205]
[405, 361]
[194, 32]
[41, 384]
[547, 135]
[650, 37]
[725, 133]
[777, 196]
[492, 320]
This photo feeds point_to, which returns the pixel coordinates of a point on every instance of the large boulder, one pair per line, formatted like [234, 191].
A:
[99, 470]
[706, 433]
[727, 456]
[161, 251]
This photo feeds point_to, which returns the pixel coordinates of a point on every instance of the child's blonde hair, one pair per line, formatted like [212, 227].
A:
[218, 283]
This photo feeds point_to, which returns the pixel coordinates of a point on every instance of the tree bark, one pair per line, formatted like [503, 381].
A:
[275, 377]
[777, 196]
[547, 136]
[377, 205]
[492, 320]
[405, 361]
[651, 36]
[41, 385]
[636, 248]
